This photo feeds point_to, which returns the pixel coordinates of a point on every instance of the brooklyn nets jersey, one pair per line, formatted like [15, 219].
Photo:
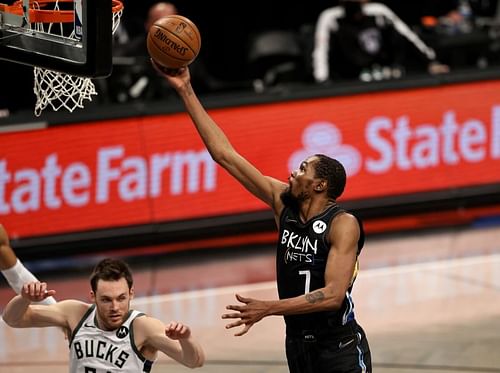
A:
[300, 266]
[93, 350]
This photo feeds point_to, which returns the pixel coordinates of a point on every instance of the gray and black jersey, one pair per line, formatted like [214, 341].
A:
[301, 258]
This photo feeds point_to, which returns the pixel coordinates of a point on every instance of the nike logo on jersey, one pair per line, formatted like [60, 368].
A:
[345, 344]
[87, 325]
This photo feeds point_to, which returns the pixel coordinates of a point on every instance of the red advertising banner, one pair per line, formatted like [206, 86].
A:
[151, 169]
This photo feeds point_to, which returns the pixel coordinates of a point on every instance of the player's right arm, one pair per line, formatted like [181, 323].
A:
[263, 187]
[174, 340]
[20, 313]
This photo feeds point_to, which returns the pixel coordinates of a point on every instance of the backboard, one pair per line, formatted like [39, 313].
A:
[68, 36]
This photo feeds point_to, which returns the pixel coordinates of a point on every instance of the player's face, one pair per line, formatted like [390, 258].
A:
[302, 180]
[112, 299]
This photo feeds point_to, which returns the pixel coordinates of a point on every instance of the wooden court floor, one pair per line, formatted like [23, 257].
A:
[429, 302]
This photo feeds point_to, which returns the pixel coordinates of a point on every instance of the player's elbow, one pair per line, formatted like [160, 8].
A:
[197, 360]
[10, 320]
[197, 363]
[333, 304]
[334, 300]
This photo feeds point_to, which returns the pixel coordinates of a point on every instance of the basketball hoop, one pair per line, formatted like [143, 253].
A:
[55, 88]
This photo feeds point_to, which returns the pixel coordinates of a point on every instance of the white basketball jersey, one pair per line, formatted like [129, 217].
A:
[93, 350]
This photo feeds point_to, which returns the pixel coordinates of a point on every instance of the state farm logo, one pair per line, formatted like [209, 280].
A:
[325, 138]
[129, 177]
[397, 144]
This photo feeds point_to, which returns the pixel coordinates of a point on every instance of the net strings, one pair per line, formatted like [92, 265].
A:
[61, 90]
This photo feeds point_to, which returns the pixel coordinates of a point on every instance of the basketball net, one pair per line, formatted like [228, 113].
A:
[57, 89]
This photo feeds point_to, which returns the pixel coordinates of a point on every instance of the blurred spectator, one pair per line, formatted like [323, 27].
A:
[360, 39]
[453, 16]
[451, 27]
[134, 78]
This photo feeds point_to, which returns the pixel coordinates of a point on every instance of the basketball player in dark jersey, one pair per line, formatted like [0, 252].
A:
[317, 254]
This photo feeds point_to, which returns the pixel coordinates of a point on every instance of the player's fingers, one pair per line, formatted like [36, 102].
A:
[33, 290]
[179, 327]
[234, 324]
[43, 288]
[183, 330]
[231, 316]
[171, 325]
[235, 307]
[243, 331]
[165, 70]
[242, 299]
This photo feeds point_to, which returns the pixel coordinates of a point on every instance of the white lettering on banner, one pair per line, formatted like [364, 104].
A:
[26, 197]
[5, 177]
[76, 177]
[193, 162]
[495, 133]
[132, 177]
[132, 186]
[104, 171]
[50, 172]
[425, 146]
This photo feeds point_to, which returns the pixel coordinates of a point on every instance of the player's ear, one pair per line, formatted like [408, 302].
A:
[132, 292]
[321, 186]
[92, 296]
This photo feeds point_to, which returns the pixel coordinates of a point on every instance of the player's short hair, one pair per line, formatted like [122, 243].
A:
[333, 172]
[111, 270]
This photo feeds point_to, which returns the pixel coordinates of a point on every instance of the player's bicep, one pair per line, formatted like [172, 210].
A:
[343, 253]
[45, 315]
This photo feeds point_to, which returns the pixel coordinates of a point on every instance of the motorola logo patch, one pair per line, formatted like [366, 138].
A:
[122, 332]
[319, 226]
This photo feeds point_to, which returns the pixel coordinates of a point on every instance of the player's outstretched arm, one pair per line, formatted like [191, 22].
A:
[21, 313]
[7, 257]
[174, 340]
[13, 269]
[265, 188]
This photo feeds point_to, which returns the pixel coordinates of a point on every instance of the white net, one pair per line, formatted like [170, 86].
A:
[60, 90]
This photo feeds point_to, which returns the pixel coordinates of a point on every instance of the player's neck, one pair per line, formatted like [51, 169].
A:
[313, 207]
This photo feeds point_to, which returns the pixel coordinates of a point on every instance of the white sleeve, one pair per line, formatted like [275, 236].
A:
[327, 23]
[377, 9]
[18, 275]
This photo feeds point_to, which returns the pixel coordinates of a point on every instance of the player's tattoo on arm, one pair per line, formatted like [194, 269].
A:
[315, 297]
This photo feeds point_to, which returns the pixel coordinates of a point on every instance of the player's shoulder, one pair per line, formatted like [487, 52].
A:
[147, 328]
[345, 219]
[72, 306]
[146, 323]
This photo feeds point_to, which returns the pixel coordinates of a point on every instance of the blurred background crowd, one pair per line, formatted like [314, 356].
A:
[264, 45]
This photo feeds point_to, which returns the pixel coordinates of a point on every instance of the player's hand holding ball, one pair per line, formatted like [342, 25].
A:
[173, 42]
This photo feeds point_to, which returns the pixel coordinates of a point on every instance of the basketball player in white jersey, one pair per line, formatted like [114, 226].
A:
[105, 335]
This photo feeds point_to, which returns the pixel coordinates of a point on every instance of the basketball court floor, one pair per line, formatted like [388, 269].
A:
[429, 302]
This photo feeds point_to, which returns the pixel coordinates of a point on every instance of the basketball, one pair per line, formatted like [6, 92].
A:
[173, 41]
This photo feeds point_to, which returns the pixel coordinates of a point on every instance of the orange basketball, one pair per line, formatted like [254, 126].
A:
[174, 41]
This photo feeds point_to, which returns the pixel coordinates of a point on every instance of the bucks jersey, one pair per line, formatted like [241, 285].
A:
[93, 350]
[301, 259]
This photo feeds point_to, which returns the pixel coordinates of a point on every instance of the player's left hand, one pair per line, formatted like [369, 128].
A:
[176, 330]
[249, 313]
